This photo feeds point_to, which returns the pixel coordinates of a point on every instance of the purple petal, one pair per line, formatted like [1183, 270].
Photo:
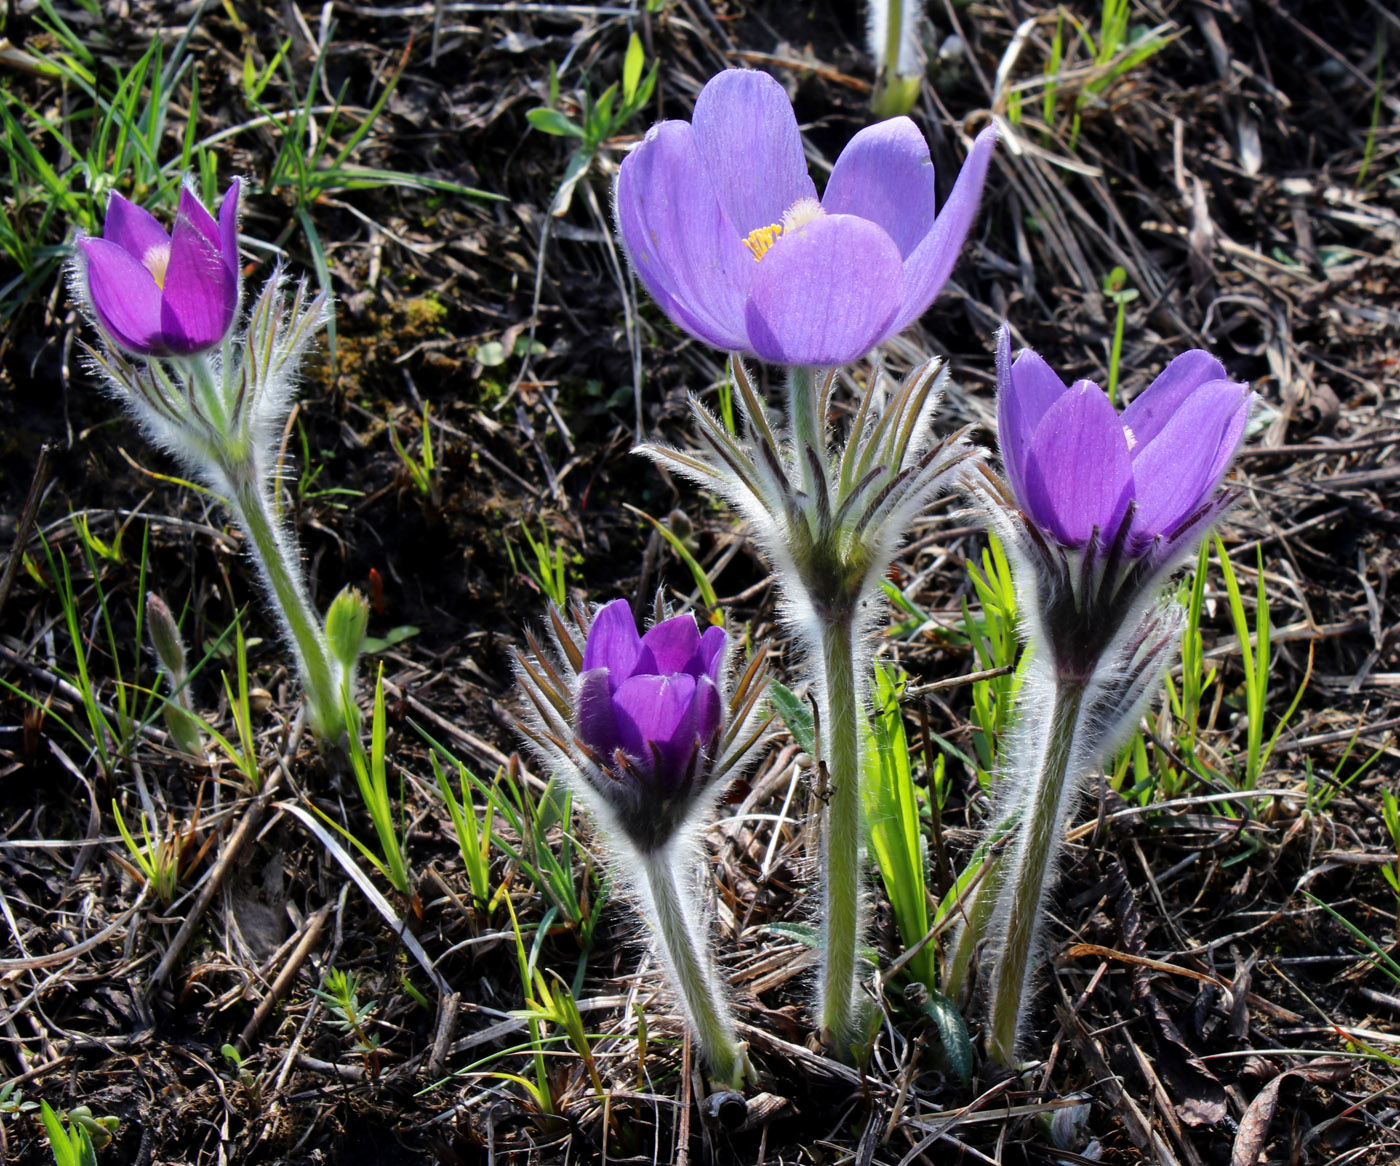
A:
[192, 209]
[1025, 392]
[595, 724]
[1183, 540]
[747, 135]
[709, 659]
[613, 642]
[200, 295]
[885, 175]
[1232, 433]
[929, 265]
[1150, 410]
[228, 226]
[709, 714]
[1078, 471]
[824, 293]
[1177, 471]
[660, 711]
[132, 228]
[123, 295]
[669, 647]
[687, 254]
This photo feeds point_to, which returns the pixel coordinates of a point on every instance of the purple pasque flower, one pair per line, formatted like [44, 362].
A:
[724, 227]
[644, 726]
[650, 704]
[1101, 507]
[1143, 480]
[163, 294]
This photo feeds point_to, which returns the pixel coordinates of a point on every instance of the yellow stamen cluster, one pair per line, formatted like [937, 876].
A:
[802, 212]
[760, 239]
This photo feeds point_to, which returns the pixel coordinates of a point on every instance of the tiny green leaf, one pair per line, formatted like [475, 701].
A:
[632, 68]
[796, 714]
[551, 121]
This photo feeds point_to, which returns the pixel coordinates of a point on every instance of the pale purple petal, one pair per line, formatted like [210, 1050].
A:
[1150, 410]
[885, 175]
[1176, 472]
[927, 268]
[710, 657]
[595, 724]
[1232, 433]
[132, 228]
[709, 714]
[747, 135]
[1078, 472]
[123, 294]
[613, 642]
[685, 251]
[228, 226]
[1026, 390]
[660, 711]
[669, 646]
[824, 293]
[200, 295]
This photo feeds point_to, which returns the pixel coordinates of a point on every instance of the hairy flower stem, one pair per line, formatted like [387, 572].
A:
[1030, 864]
[808, 430]
[686, 953]
[276, 557]
[841, 836]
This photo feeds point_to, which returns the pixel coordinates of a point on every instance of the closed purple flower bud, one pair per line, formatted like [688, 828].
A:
[159, 294]
[1098, 507]
[724, 227]
[650, 703]
[642, 720]
[1144, 479]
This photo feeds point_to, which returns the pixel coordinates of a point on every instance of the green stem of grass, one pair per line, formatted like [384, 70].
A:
[841, 739]
[694, 975]
[977, 914]
[1030, 868]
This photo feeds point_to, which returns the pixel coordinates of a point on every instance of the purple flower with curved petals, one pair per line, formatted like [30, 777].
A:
[159, 294]
[1099, 508]
[650, 703]
[645, 726]
[724, 227]
[1146, 479]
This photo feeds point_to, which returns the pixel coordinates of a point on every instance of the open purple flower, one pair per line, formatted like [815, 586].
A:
[1146, 479]
[159, 294]
[725, 229]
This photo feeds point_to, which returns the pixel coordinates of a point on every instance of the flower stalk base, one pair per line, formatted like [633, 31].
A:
[841, 838]
[321, 674]
[686, 953]
[1031, 864]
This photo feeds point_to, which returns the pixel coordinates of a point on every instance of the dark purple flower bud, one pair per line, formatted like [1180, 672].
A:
[653, 699]
[159, 294]
[723, 225]
[642, 720]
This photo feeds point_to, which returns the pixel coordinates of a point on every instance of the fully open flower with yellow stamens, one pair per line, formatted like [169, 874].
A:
[724, 227]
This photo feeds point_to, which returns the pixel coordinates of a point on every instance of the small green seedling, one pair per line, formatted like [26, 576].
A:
[340, 993]
[602, 117]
